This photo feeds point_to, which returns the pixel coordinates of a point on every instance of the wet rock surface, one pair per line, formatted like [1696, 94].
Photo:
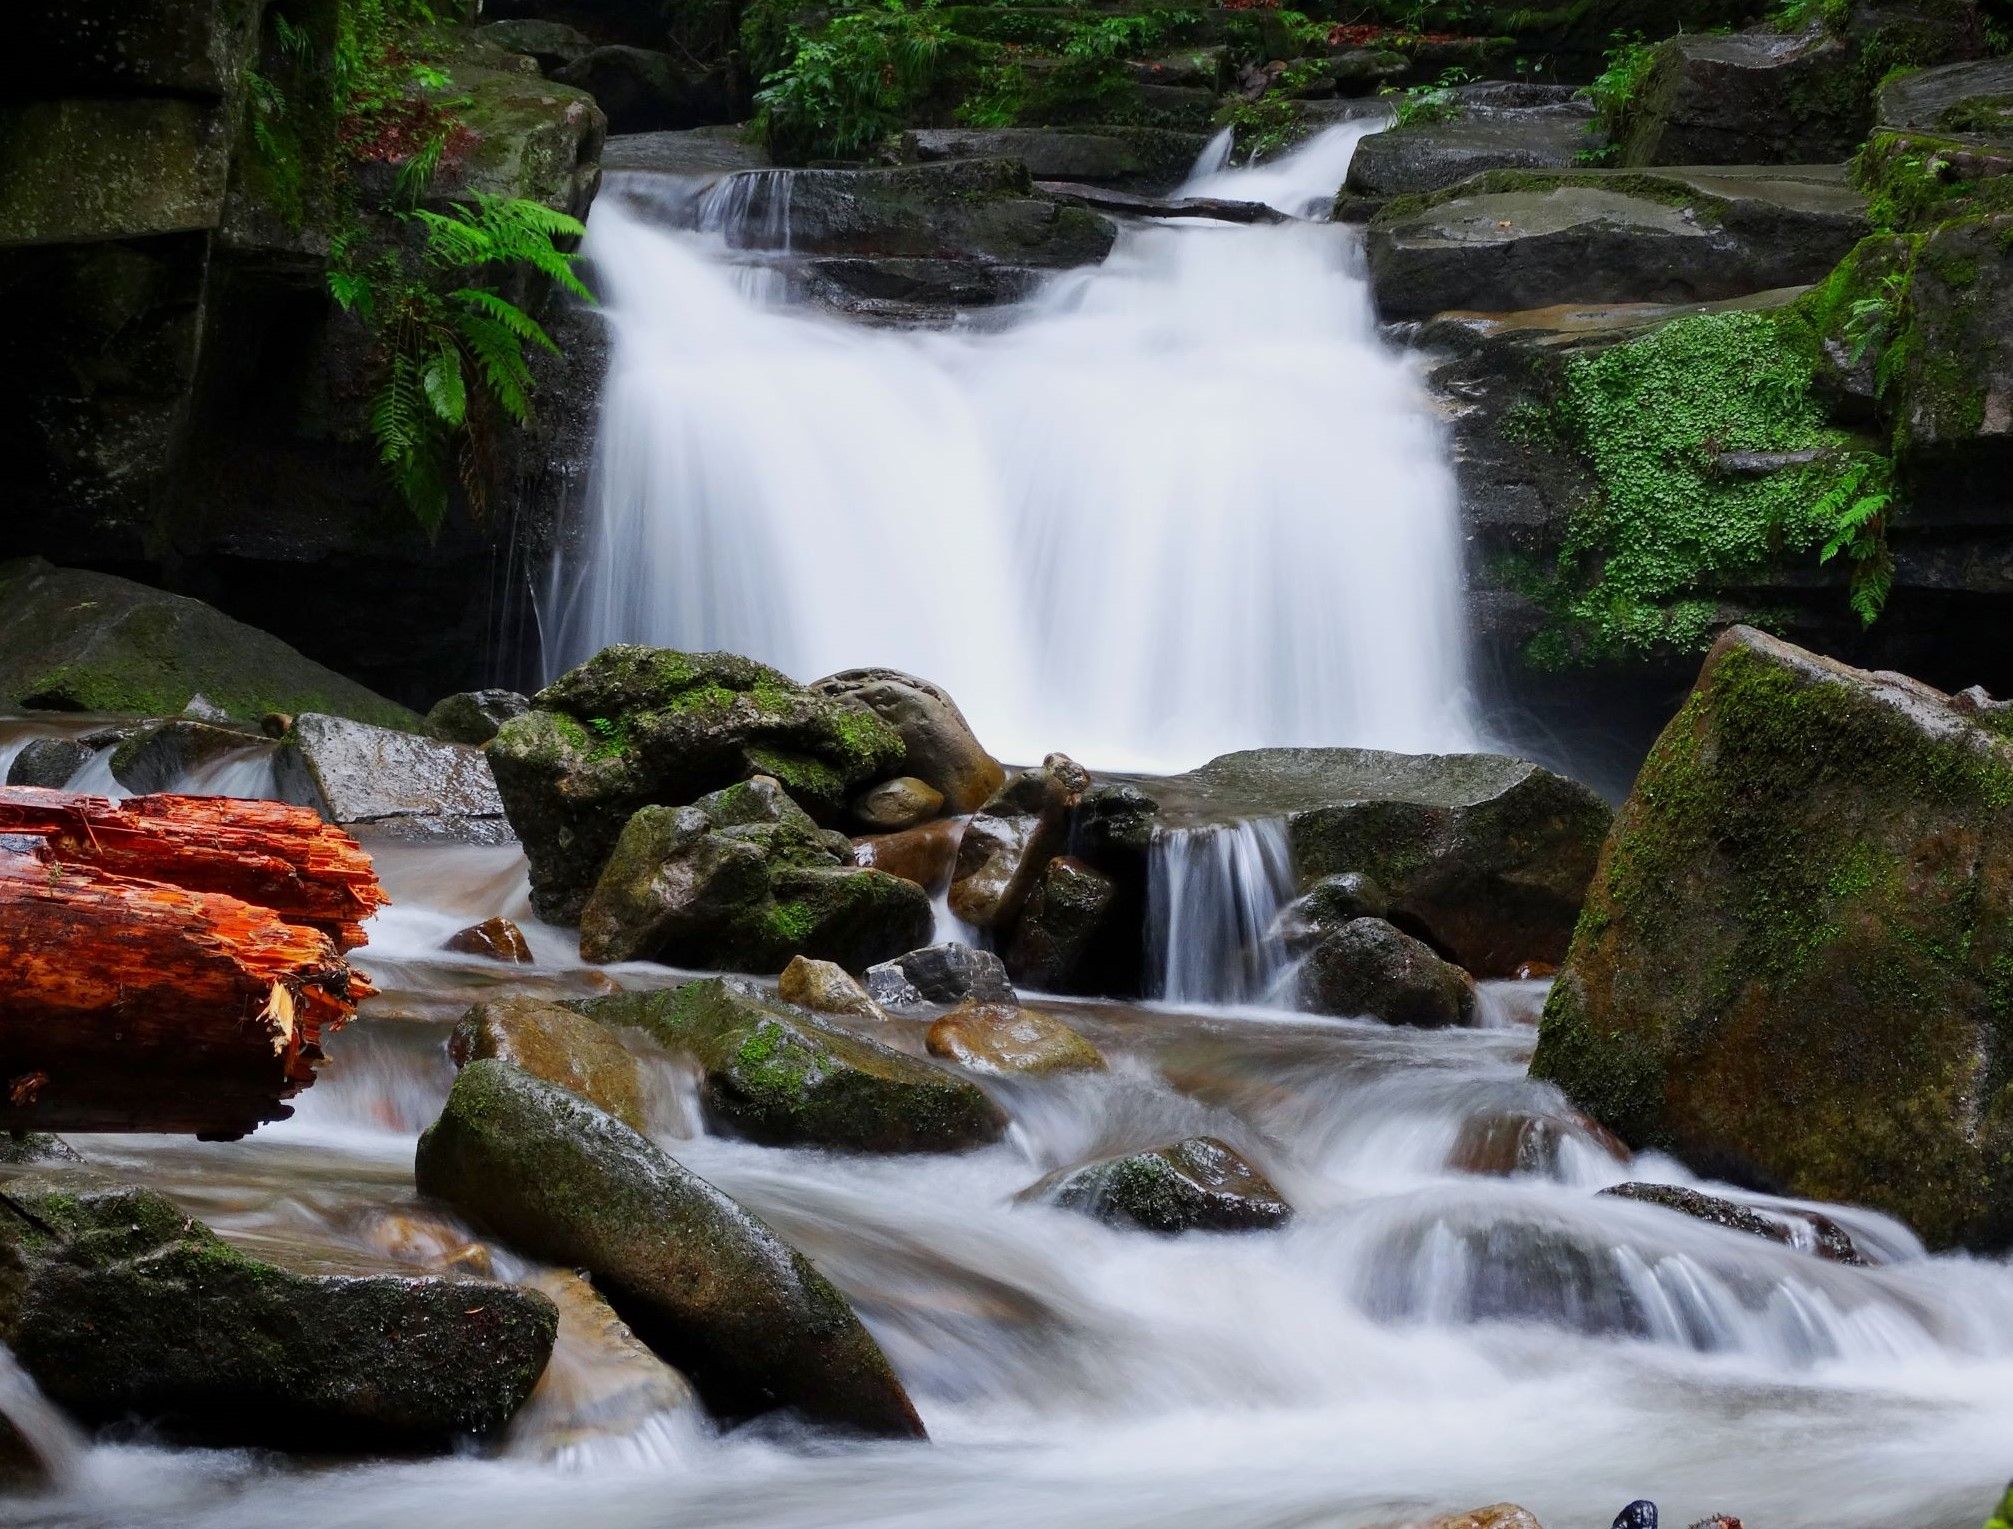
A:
[1366, 968]
[385, 784]
[1746, 98]
[1009, 1040]
[120, 1304]
[556, 1045]
[1813, 1232]
[783, 1075]
[939, 745]
[473, 716]
[1194, 1185]
[1009, 842]
[704, 1283]
[1058, 940]
[1534, 128]
[497, 938]
[948, 973]
[1785, 973]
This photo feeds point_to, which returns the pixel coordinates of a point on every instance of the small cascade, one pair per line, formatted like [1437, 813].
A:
[56, 1443]
[750, 210]
[1213, 900]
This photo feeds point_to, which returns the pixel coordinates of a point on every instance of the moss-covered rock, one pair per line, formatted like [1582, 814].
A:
[704, 1283]
[1194, 1185]
[77, 641]
[745, 880]
[1009, 1040]
[938, 743]
[1059, 936]
[1366, 968]
[1795, 962]
[1952, 359]
[119, 1304]
[782, 1075]
[635, 727]
[557, 1045]
[473, 716]
[1748, 98]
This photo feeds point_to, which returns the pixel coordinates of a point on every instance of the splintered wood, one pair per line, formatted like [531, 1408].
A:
[170, 963]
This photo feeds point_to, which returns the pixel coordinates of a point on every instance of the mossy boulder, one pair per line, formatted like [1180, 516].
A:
[473, 716]
[706, 1284]
[782, 1075]
[1952, 396]
[558, 1045]
[1059, 937]
[77, 641]
[635, 727]
[939, 745]
[1515, 239]
[519, 135]
[118, 1304]
[1748, 98]
[1365, 968]
[1493, 126]
[1199, 1184]
[1795, 967]
[745, 880]
[1971, 97]
[1485, 856]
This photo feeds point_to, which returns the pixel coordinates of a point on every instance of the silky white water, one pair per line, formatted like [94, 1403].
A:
[1183, 502]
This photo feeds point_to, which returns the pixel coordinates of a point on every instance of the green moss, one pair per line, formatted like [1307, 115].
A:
[790, 922]
[1654, 419]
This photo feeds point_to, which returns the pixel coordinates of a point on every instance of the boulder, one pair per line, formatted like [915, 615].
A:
[521, 135]
[787, 1077]
[557, 1045]
[985, 210]
[1503, 1143]
[382, 784]
[1329, 904]
[552, 43]
[824, 987]
[1748, 98]
[118, 1304]
[745, 880]
[1539, 128]
[49, 762]
[473, 716]
[699, 1279]
[1058, 937]
[1791, 970]
[635, 727]
[694, 151]
[947, 973]
[1005, 1039]
[939, 746]
[1515, 239]
[1486, 857]
[924, 854]
[896, 804]
[1134, 157]
[642, 91]
[1974, 97]
[162, 755]
[77, 641]
[83, 169]
[1953, 395]
[1194, 1185]
[1007, 844]
[1811, 1231]
[1368, 969]
[497, 938]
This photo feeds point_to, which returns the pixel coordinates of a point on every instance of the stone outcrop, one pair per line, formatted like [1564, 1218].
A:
[1748, 98]
[1791, 967]
[383, 784]
[785, 1076]
[1493, 126]
[639, 727]
[117, 1303]
[699, 1279]
[1524, 239]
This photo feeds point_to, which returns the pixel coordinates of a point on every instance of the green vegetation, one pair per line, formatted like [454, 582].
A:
[1616, 90]
[1712, 457]
[362, 86]
[1430, 103]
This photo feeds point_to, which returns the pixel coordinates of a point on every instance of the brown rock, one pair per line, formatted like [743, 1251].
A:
[1057, 931]
[825, 987]
[924, 854]
[1004, 1039]
[497, 938]
[900, 803]
[602, 1381]
[1516, 1142]
[1006, 847]
[558, 1046]
[940, 745]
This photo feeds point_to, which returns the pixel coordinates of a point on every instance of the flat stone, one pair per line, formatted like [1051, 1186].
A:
[387, 784]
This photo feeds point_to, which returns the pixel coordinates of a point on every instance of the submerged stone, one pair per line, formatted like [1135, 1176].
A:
[707, 1285]
[1820, 1234]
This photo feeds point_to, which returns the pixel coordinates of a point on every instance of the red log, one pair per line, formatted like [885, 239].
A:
[139, 993]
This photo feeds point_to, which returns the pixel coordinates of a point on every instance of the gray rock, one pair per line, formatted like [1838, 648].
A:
[1748, 98]
[1332, 902]
[552, 43]
[1368, 969]
[162, 756]
[1194, 1185]
[1425, 156]
[708, 151]
[940, 747]
[948, 973]
[704, 1283]
[1811, 1231]
[49, 762]
[1523, 239]
[385, 784]
[1143, 158]
[473, 716]
[1975, 97]
[1060, 931]
[120, 1305]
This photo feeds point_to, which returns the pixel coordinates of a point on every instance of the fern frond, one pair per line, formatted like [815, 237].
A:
[500, 359]
[506, 313]
[445, 390]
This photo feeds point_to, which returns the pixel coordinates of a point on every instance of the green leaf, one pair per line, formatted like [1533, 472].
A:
[445, 390]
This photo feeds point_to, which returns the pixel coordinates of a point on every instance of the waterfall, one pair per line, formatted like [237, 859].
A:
[1183, 502]
[1213, 900]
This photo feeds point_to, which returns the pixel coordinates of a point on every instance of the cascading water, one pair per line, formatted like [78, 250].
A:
[1184, 502]
[1214, 895]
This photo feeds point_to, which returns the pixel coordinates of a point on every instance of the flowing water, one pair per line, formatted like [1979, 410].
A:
[1180, 503]
[1108, 525]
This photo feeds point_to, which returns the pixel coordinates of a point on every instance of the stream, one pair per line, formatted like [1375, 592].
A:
[1095, 548]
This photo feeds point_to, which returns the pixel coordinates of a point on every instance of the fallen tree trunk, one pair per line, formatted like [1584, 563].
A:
[133, 1003]
[272, 854]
